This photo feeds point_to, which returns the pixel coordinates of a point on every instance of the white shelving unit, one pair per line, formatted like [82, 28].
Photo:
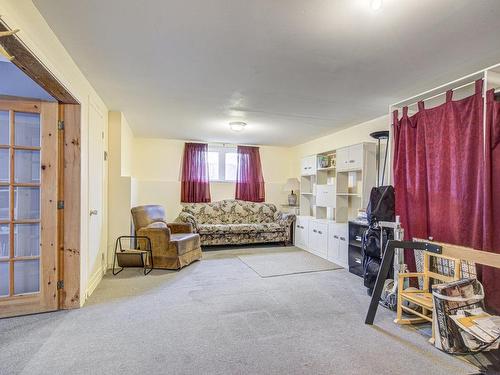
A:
[356, 175]
[334, 185]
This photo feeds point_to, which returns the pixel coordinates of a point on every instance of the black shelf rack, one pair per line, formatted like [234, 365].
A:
[356, 230]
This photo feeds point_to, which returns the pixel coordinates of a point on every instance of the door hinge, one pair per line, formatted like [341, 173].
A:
[60, 284]
[60, 205]
[60, 125]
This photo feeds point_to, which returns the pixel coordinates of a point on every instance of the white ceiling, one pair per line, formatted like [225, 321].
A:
[293, 70]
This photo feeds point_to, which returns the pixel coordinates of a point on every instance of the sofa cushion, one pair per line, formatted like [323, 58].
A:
[239, 228]
[205, 213]
[231, 211]
[242, 212]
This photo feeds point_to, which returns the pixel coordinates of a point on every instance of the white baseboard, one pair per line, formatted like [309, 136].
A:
[94, 280]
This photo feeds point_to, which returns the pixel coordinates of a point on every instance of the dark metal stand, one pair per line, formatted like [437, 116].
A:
[386, 264]
[135, 257]
[379, 135]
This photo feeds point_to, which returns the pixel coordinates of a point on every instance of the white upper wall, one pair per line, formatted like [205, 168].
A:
[127, 147]
[352, 135]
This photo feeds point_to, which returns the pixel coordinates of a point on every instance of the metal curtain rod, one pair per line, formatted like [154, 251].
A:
[449, 85]
[441, 93]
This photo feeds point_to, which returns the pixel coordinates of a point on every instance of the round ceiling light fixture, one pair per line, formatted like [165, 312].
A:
[376, 4]
[237, 126]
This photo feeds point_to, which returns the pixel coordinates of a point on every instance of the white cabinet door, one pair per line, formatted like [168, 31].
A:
[325, 195]
[302, 232]
[312, 239]
[342, 159]
[319, 234]
[356, 156]
[333, 244]
[342, 231]
[338, 244]
[308, 165]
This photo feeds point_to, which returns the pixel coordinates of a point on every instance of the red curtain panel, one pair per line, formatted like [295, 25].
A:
[195, 186]
[439, 175]
[491, 276]
[249, 178]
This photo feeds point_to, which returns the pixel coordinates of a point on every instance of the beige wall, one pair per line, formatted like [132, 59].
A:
[39, 38]
[127, 145]
[153, 175]
[120, 184]
[156, 169]
[354, 134]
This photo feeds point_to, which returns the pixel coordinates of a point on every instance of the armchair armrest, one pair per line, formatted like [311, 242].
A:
[185, 217]
[180, 227]
[159, 235]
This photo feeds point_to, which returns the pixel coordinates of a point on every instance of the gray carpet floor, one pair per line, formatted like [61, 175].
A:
[218, 316]
[286, 261]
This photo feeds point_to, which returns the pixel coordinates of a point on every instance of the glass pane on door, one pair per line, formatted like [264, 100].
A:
[26, 276]
[27, 129]
[4, 128]
[4, 165]
[4, 241]
[26, 203]
[26, 240]
[4, 278]
[27, 166]
[4, 203]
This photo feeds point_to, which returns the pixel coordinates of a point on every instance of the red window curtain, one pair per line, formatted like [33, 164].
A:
[195, 186]
[249, 179]
[439, 174]
[491, 276]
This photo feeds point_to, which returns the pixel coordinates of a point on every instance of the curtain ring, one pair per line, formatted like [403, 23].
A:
[395, 115]
[479, 86]
[405, 111]
[449, 96]
[421, 105]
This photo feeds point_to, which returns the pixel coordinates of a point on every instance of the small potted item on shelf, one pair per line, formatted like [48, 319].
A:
[324, 161]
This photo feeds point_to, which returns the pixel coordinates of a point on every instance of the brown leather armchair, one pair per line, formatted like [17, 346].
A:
[174, 245]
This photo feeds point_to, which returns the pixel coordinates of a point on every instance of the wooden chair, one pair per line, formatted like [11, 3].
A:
[437, 269]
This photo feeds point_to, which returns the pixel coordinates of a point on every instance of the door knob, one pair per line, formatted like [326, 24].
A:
[93, 212]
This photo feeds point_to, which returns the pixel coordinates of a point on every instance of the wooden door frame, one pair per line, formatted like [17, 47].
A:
[69, 168]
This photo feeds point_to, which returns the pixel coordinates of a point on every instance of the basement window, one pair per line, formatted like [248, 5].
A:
[222, 163]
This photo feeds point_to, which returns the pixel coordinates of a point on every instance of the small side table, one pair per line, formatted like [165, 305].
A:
[290, 209]
[133, 257]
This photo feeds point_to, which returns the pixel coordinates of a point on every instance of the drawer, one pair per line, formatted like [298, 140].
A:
[355, 261]
[325, 195]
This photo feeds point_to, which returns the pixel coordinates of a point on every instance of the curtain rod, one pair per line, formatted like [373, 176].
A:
[440, 94]
[449, 85]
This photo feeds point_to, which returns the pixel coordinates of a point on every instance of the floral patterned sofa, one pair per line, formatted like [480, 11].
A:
[234, 222]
